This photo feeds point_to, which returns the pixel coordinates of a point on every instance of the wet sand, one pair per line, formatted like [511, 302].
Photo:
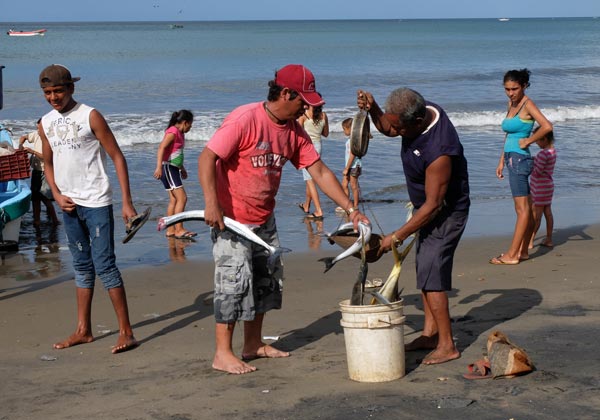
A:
[547, 305]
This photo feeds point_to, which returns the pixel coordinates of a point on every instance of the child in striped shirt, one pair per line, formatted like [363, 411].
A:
[542, 187]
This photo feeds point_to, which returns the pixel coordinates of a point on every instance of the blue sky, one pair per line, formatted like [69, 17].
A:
[182, 10]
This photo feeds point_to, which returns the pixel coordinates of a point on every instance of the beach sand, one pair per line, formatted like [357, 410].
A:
[547, 305]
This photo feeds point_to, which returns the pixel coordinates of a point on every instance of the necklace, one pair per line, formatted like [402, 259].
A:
[273, 115]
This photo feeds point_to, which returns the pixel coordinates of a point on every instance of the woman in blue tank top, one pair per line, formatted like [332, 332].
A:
[518, 126]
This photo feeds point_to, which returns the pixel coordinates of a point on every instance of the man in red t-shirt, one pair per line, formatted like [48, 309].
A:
[240, 172]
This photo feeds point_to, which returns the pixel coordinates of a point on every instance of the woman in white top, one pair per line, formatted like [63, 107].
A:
[315, 123]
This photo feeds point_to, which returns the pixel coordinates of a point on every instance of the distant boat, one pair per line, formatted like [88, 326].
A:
[176, 26]
[503, 19]
[36, 32]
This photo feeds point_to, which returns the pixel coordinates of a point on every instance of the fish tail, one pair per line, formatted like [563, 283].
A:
[161, 224]
[328, 263]
[276, 254]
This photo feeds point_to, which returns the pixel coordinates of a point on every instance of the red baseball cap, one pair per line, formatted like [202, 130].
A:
[300, 79]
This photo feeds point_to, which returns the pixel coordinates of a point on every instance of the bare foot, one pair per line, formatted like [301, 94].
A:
[265, 351]
[74, 340]
[230, 364]
[422, 342]
[441, 356]
[547, 244]
[124, 343]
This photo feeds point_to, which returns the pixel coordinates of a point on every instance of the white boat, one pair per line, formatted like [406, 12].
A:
[15, 198]
[35, 32]
[503, 19]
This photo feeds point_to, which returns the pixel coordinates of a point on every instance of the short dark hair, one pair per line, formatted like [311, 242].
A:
[275, 90]
[407, 104]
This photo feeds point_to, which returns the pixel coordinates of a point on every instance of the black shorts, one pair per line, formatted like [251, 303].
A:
[171, 177]
[436, 244]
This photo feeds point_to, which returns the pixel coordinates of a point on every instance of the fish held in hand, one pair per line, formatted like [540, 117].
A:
[364, 236]
[231, 225]
[358, 290]
[345, 236]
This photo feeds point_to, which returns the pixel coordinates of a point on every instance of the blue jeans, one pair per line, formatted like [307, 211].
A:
[519, 168]
[91, 240]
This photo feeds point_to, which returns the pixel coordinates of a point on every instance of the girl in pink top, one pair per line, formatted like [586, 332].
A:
[170, 169]
[542, 187]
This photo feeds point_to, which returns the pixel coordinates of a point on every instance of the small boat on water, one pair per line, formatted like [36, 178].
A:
[35, 32]
[503, 19]
[15, 198]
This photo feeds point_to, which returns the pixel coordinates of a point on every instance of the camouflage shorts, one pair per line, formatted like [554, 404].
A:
[245, 285]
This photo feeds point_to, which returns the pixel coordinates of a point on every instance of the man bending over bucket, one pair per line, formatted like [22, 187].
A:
[438, 186]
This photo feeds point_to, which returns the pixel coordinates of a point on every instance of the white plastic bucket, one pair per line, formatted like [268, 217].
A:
[374, 337]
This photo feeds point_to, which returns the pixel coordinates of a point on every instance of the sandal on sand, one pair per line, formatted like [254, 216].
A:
[499, 261]
[135, 223]
[479, 370]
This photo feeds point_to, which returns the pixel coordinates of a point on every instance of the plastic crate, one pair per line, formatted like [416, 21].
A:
[15, 166]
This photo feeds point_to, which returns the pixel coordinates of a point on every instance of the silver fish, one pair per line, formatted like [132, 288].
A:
[343, 229]
[230, 224]
[381, 299]
[364, 230]
[358, 290]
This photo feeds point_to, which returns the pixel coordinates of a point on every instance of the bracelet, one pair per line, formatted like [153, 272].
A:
[351, 210]
[395, 241]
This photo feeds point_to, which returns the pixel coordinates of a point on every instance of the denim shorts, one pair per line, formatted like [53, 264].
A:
[91, 240]
[245, 283]
[305, 175]
[519, 168]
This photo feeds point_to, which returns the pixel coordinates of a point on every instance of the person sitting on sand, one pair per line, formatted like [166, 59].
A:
[240, 171]
[75, 141]
[438, 186]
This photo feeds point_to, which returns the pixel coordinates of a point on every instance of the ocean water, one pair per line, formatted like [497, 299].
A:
[136, 74]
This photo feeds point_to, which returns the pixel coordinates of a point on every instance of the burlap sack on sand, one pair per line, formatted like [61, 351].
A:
[506, 359]
[372, 247]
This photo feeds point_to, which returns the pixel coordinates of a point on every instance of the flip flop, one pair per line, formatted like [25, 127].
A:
[498, 261]
[135, 223]
[479, 370]
[302, 208]
[186, 235]
[313, 216]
